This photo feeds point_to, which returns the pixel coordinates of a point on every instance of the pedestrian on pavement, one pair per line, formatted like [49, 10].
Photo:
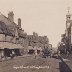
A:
[35, 53]
[12, 54]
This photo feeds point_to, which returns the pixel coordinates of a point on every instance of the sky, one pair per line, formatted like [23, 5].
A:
[46, 17]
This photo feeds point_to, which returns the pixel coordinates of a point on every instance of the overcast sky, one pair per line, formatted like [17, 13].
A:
[46, 17]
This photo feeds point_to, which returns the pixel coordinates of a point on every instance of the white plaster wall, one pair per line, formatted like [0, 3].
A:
[9, 38]
[2, 37]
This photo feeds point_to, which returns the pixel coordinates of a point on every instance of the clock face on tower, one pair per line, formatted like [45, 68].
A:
[68, 25]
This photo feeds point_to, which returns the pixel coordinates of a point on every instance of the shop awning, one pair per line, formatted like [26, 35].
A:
[35, 48]
[10, 45]
[30, 47]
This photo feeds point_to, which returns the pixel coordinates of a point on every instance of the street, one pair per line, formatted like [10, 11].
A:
[51, 63]
[32, 64]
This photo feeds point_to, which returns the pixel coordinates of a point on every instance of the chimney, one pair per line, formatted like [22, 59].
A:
[11, 16]
[19, 22]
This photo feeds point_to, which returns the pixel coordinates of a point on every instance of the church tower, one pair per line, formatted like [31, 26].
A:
[68, 23]
[68, 28]
[68, 19]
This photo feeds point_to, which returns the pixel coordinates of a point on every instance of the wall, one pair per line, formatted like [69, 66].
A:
[20, 40]
[14, 40]
[2, 37]
[9, 38]
[71, 34]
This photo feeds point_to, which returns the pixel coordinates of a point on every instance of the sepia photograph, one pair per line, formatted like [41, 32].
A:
[35, 35]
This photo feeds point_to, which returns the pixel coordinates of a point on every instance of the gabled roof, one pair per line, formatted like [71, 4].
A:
[8, 20]
[8, 23]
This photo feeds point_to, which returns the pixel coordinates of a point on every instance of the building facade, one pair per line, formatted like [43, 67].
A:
[12, 36]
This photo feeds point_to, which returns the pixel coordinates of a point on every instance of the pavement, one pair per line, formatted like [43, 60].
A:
[69, 64]
[65, 65]
[30, 64]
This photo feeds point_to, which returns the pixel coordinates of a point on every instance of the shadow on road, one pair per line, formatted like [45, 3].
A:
[63, 66]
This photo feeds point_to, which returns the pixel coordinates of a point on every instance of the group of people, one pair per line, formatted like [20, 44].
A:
[4, 55]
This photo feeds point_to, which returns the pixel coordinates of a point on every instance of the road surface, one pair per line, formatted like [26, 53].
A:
[30, 64]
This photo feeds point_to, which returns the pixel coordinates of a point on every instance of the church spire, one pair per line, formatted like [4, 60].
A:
[69, 10]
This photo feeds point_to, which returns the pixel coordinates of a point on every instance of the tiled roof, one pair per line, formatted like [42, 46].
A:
[13, 23]
[22, 35]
